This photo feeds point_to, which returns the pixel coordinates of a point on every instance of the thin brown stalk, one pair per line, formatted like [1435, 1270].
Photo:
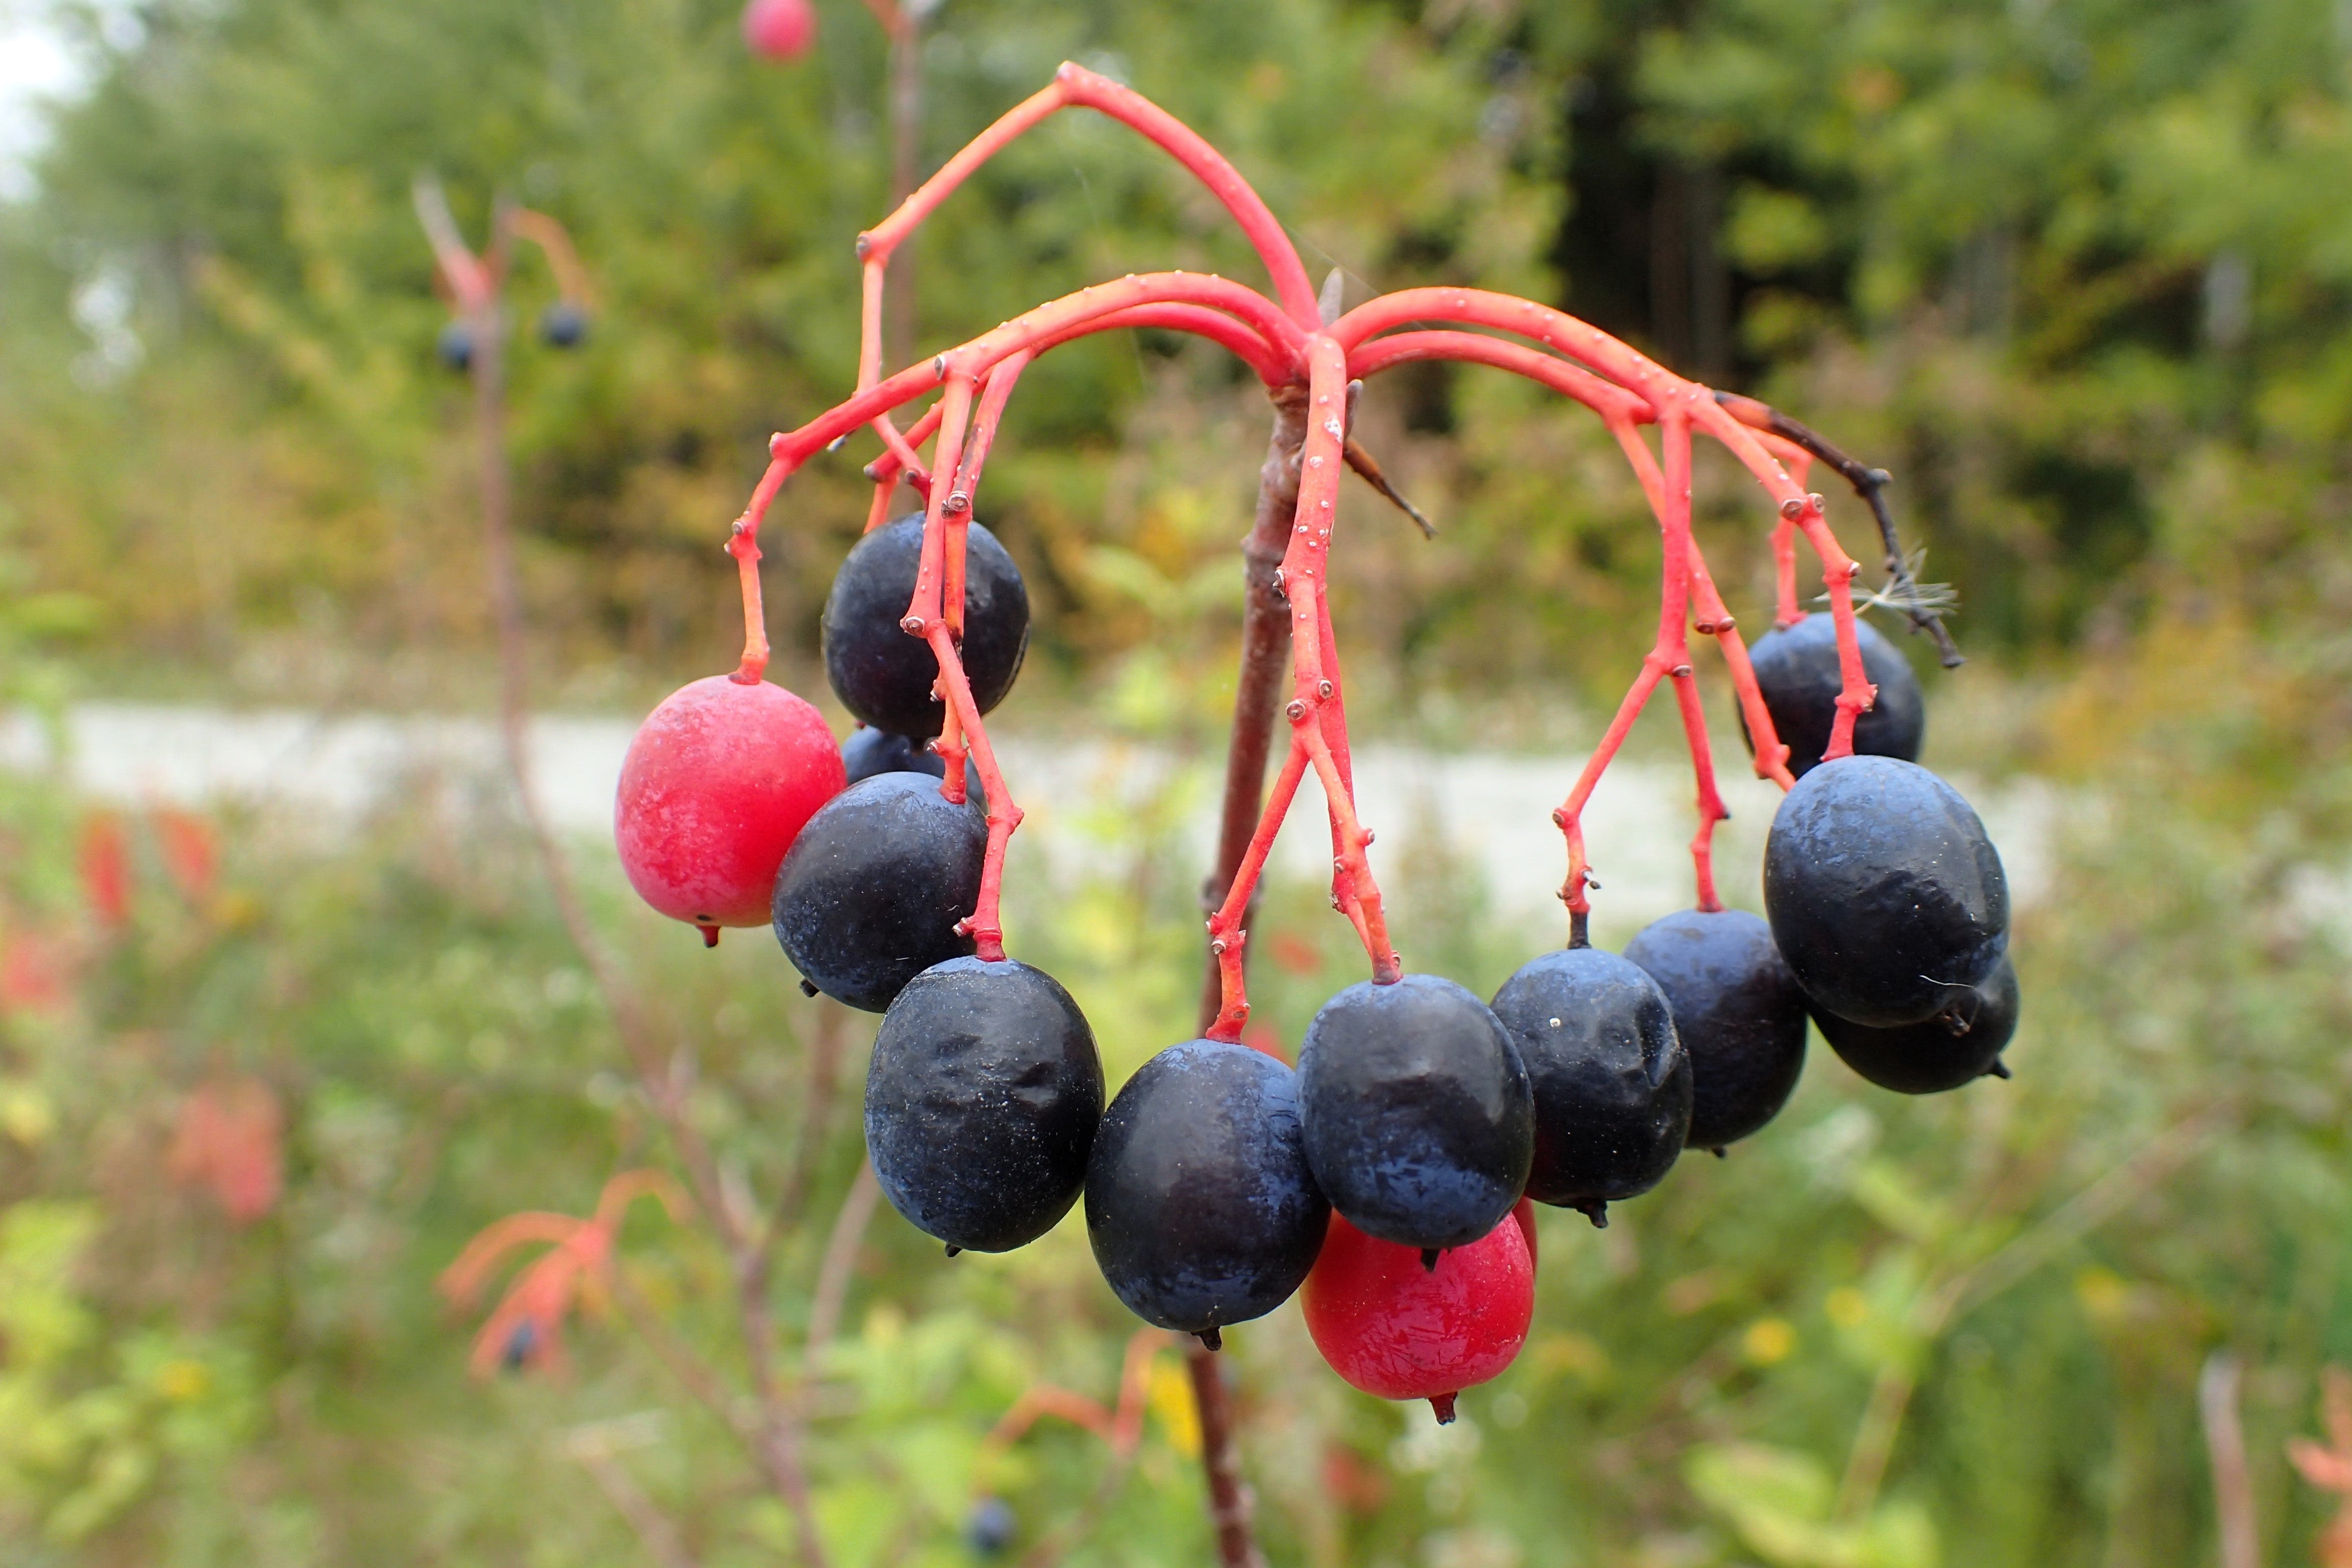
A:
[776, 1434]
[840, 1262]
[654, 1529]
[1266, 640]
[693, 1373]
[1967, 1289]
[2225, 1447]
[824, 1055]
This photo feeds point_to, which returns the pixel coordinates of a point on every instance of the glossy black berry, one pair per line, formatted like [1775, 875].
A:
[870, 892]
[1885, 896]
[883, 674]
[1419, 1121]
[1797, 671]
[456, 346]
[563, 325]
[869, 751]
[981, 1104]
[1737, 1011]
[1956, 1046]
[1199, 1203]
[1611, 1082]
[989, 1527]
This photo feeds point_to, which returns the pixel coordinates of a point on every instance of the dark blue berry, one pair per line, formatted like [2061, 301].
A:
[1956, 1046]
[1418, 1117]
[1797, 671]
[869, 751]
[981, 1104]
[1199, 1203]
[1611, 1082]
[1738, 1012]
[871, 891]
[882, 673]
[563, 325]
[989, 1527]
[1885, 896]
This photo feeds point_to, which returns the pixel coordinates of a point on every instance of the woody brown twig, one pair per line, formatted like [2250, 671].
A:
[776, 1436]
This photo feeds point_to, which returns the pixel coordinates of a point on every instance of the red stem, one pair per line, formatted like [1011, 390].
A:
[1227, 940]
[1669, 656]
[985, 925]
[1273, 366]
[1716, 621]
[1661, 387]
[1076, 85]
[1787, 611]
[1318, 724]
[1604, 398]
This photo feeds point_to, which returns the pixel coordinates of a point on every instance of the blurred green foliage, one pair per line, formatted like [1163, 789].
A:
[2074, 272]
[2077, 272]
[2004, 1294]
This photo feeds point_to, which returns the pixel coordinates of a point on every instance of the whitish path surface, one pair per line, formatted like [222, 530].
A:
[1490, 811]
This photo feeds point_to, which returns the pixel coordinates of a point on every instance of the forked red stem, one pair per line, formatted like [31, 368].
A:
[1288, 347]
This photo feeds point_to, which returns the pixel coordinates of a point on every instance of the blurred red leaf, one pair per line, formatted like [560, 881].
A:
[106, 867]
[1293, 953]
[230, 1139]
[2329, 1466]
[1352, 1481]
[1265, 1040]
[191, 847]
[526, 1327]
[32, 973]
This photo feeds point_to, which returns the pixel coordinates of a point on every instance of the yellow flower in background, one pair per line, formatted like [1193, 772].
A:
[1767, 1341]
[1172, 1402]
[1846, 1307]
[182, 1380]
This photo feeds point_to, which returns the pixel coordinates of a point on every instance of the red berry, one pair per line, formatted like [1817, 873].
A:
[715, 786]
[1524, 1211]
[780, 30]
[1392, 1327]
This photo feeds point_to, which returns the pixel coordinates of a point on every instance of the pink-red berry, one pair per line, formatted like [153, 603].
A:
[1394, 1327]
[717, 784]
[780, 30]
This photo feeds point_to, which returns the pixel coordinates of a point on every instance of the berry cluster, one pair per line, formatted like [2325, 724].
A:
[1389, 1176]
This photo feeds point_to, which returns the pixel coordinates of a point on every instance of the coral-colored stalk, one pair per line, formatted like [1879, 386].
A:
[1273, 365]
[1075, 85]
[886, 470]
[965, 489]
[743, 544]
[1669, 656]
[1662, 388]
[1712, 620]
[1710, 804]
[1316, 687]
[1604, 398]
[985, 925]
[1056, 317]
[1226, 937]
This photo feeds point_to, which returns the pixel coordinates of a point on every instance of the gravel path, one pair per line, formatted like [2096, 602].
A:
[1490, 812]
